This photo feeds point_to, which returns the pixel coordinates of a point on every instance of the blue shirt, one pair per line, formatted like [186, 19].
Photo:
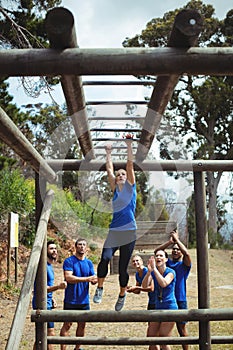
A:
[182, 272]
[165, 296]
[50, 283]
[78, 293]
[151, 295]
[124, 205]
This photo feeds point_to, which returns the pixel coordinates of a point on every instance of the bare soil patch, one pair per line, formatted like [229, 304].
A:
[221, 286]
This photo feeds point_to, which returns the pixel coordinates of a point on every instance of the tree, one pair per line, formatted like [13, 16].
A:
[201, 107]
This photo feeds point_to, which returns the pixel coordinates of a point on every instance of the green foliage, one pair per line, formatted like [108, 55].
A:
[85, 216]
[214, 240]
[15, 193]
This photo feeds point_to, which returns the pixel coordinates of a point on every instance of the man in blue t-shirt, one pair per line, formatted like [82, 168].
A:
[78, 273]
[180, 262]
[51, 303]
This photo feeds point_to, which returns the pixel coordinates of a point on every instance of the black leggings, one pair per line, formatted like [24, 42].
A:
[126, 251]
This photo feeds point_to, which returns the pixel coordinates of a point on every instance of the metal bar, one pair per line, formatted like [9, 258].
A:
[113, 154]
[14, 138]
[113, 82]
[220, 314]
[114, 147]
[96, 103]
[131, 117]
[26, 290]
[115, 139]
[131, 61]
[186, 29]
[61, 37]
[153, 165]
[202, 258]
[115, 130]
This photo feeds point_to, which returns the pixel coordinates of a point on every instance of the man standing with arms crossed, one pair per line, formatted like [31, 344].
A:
[181, 263]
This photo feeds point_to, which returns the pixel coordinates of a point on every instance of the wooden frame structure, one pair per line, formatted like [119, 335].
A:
[65, 58]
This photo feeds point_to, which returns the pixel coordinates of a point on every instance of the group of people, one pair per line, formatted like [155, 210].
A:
[164, 279]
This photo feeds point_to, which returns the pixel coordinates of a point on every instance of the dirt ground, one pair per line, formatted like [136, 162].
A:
[221, 263]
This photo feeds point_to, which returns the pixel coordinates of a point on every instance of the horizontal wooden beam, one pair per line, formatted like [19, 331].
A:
[136, 340]
[133, 315]
[123, 340]
[149, 165]
[122, 61]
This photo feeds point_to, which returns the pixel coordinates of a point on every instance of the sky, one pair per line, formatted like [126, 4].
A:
[106, 24]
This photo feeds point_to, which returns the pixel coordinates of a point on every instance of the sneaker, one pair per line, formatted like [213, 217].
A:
[98, 295]
[120, 303]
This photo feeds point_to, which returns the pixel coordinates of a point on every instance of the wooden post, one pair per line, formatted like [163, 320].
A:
[202, 258]
[26, 290]
[41, 276]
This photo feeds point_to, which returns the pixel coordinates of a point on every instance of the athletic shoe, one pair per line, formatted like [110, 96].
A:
[98, 295]
[120, 303]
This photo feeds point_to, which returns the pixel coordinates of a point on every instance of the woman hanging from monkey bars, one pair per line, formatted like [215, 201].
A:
[122, 229]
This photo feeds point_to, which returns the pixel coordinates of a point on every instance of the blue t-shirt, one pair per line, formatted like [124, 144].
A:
[124, 205]
[78, 293]
[165, 296]
[151, 295]
[182, 272]
[50, 283]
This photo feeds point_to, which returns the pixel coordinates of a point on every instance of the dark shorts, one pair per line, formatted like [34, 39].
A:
[50, 324]
[68, 306]
[151, 307]
[182, 305]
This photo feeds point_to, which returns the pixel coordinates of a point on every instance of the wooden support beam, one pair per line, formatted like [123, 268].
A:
[62, 37]
[184, 34]
[149, 165]
[117, 61]
[202, 258]
[132, 315]
[27, 287]
[135, 340]
[14, 138]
